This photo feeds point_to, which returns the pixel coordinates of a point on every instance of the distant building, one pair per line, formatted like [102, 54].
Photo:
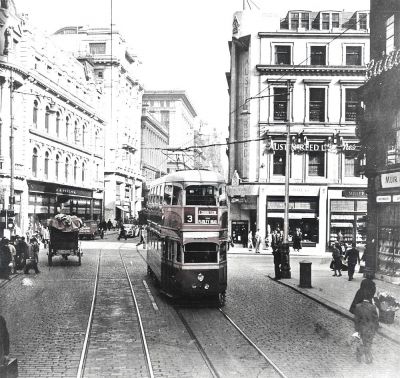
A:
[176, 113]
[51, 124]
[380, 135]
[154, 144]
[319, 59]
[117, 74]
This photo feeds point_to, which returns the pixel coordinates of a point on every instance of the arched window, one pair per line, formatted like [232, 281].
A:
[83, 172]
[58, 119]
[66, 168]
[47, 119]
[35, 113]
[76, 132]
[83, 135]
[75, 170]
[67, 128]
[57, 167]
[46, 165]
[34, 162]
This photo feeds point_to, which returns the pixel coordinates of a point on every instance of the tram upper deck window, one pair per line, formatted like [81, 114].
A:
[198, 253]
[177, 196]
[167, 194]
[205, 195]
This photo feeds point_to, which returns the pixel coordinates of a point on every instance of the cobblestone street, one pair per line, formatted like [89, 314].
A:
[47, 316]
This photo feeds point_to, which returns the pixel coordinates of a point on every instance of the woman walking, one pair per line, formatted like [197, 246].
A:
[337, 261]
[297, 238]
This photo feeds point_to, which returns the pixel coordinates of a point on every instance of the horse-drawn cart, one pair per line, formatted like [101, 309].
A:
[64, 237]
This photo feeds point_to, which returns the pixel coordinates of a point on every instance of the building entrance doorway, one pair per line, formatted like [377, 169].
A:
[240, 230]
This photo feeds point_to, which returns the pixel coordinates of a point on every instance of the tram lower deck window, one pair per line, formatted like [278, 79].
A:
[201, 253]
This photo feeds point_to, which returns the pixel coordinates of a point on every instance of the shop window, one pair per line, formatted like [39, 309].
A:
[294, 21]
[318, 55]
[317, 104]
[353, 55]
[35, 162]
[279, 163]
[58, 120]
[46, 165]
[351, 164]
[57, 167]
[283, 54]
[47, 119]
[389, 34]
[280, 104]
[316, 163]
[35, 113]
[351, 105]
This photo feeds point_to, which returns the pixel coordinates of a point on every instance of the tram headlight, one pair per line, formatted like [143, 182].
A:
[200, 277]
[206, 286]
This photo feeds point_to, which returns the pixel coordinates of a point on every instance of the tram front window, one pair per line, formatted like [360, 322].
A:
[205, 195]
[201, 253]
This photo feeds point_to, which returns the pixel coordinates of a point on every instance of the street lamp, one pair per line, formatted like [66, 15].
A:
[285, 262]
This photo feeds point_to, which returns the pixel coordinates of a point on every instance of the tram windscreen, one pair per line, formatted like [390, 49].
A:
[201, 253]
[205, 195]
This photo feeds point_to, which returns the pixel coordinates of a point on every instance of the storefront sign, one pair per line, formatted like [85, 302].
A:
[375, 68]
[354, 193]
[315, 147]
[390, 180]
[396, 198]
[382, 199]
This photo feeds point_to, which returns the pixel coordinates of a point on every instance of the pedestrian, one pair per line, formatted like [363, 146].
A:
[276, 244]
[21, 248]
[352, 256]
[297, 238]
[250, 241]
[4, 341]
[31, 256]
[45, 236]
[258, 240]
[243, 234]
[109, 225]
[5, 259]
[13, 253]
[365, 286]
[337, 261]
[366, 322]
[122, 232]
[142, 240]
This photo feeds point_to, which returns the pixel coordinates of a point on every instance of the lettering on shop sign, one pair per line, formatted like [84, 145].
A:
[390, 180]
[322, 147]
[383, 199]
[376, 67]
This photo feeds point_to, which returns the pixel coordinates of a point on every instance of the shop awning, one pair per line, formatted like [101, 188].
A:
[125, 209]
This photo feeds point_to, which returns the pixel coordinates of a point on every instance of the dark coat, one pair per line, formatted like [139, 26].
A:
[352, 256]
[366, 286]
[366, 320]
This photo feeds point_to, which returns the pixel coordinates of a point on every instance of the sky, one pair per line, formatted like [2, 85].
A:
[182, 44]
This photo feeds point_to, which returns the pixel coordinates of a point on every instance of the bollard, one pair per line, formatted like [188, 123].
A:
[305, 273]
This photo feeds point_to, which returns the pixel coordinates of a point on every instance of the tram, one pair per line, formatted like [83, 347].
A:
[187, 234]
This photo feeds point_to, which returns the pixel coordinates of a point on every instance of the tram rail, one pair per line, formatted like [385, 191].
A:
[86, 343]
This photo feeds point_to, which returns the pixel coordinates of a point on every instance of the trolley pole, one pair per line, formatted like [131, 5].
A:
[285, 266]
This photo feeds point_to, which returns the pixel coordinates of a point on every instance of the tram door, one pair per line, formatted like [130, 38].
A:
[240, 230]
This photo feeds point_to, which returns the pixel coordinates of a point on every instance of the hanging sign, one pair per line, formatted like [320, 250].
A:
[390, 180]
[383, 199]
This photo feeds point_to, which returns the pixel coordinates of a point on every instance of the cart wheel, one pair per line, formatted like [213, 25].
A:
[49, 259]
[79, 257]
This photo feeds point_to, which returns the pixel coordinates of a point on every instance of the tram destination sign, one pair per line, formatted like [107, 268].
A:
[207, 215]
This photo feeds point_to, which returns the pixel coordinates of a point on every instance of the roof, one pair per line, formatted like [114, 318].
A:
[170, 95]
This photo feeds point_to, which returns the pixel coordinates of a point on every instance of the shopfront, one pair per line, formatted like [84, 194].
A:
[303, 215]
[347, 215]
[47, 199]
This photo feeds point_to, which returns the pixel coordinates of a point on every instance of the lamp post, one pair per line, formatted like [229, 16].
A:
[285, 264]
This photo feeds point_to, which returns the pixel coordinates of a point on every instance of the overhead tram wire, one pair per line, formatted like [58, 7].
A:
[286, 73]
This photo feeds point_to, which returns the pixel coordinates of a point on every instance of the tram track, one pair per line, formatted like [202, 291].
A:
[125, 337]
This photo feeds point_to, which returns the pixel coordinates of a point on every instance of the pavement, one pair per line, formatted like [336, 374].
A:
[335, 293]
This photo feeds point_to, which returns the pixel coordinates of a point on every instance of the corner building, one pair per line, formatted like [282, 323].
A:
[306, 66]
[380, 135]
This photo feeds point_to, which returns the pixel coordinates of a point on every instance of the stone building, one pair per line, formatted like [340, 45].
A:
[176, 113]
[303, 67]
[117, 74]
[380, 136]
[51, 135]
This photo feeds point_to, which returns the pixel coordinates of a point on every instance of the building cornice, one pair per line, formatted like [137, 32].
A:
[312, 34]
[270, 69]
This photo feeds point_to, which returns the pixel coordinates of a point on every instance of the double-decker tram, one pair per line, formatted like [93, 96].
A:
[187, 234]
